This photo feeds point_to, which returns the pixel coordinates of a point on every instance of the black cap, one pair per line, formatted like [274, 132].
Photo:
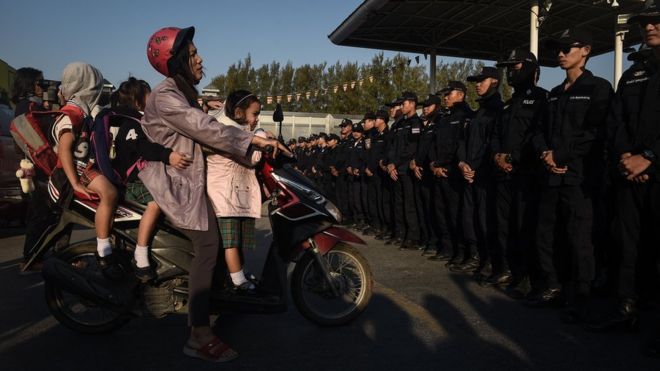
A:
[486, 72]
[358, 127]
[408, 95]
[345, 122]
[369, 116]
[383, 115]
[452, 85]
[333, 137]
[518, 56]
[431, 99]
[651, 10]
[292, 141]
[302, 139]
[569, 37]
[395, 102]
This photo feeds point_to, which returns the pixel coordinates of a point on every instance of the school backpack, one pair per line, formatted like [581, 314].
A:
[30, 131]
[102, 146]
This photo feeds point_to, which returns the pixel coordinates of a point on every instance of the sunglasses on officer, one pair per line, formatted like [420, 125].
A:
[565, 49]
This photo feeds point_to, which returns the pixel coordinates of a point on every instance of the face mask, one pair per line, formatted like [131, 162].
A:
[522, 77]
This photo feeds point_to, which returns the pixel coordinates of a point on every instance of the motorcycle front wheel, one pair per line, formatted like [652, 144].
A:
[74, 312]
[349, 273]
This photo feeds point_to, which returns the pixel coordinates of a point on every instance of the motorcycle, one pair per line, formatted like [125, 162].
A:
[331, 283]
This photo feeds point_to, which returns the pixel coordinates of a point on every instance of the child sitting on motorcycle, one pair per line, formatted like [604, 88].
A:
[132, 147]
[81, 87]
[233, 188]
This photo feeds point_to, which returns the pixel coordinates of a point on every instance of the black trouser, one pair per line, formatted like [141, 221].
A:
[39, 216]
[387, 202]
[637, 226]
[419, 209]
[409, 209]
[375, 197]
[447, 202]
[355, 184]
[570, 204]
[205, 246]
[476, 219]
[426, 210]
[516, 209]
[342, 195]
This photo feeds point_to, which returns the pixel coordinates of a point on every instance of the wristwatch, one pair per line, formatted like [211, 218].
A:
[649, 155]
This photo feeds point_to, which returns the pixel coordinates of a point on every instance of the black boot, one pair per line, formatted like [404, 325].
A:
[470, 264]
[625, 318]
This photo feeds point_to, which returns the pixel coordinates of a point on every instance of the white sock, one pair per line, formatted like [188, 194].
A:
[141, 256]
[103, 247]
[238, 278]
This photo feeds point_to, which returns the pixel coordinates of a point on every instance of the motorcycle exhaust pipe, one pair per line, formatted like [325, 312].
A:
[65, 275]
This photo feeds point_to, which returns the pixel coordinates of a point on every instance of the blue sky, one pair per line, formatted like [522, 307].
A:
[112, 35]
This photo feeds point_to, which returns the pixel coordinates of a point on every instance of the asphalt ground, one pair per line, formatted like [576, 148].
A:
[421, 317]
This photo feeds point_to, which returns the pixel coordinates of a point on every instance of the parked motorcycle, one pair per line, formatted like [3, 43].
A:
[331, 283]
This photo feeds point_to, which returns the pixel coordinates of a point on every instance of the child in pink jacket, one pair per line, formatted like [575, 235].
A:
[233, 189]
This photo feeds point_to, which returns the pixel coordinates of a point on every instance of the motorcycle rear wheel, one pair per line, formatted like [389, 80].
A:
[351, 276]
[74, 312]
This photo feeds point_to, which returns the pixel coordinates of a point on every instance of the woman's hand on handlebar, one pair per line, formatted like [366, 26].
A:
[273, 143]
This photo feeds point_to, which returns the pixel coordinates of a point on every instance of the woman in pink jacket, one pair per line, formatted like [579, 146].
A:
[173, 118]
[233, 188]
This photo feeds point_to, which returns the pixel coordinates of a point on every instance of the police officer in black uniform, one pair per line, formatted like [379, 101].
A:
[341, 163]
[397, 225]
[405, 141]
[474, 162]
[516, 166]
[329, 167]
[356, 166]
[571, 148]
[377, 175]
[635, 147]
[431, 114]
[448, 179]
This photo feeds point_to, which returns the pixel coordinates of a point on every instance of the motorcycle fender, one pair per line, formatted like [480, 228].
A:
[327, 239]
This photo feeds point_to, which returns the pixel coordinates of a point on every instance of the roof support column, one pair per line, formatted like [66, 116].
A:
[432, 68]
[534, 29]
[618, 57]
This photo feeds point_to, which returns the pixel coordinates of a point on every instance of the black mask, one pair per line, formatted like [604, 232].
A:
[523, 77]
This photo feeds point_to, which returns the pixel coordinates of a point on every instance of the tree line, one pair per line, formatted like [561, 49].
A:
[347, 88]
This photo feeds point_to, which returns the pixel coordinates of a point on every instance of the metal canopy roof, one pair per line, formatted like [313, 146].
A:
[480, 29]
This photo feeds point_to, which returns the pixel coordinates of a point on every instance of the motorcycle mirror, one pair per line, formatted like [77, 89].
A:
[278, 115]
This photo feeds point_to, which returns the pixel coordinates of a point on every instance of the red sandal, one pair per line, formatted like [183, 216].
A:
[214, 351]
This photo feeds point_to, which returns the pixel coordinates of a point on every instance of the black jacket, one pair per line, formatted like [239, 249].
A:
[131, 144]
[426, 141]
[515, 128]
[376, 147]
[573, 127]
[404, 142]
[474, 141]
[634, 120]
[449, 127]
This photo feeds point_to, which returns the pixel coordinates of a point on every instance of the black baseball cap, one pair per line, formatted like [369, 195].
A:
[518, 56]
[569, 37]
[452, 85]
[395, 102]
[485, 73]
[383, 115]
[358, 127]
[649, 14]
[431, 99]
[302, 140]
[408, 95]
[333, 137]
[369, 116]
[345, 122]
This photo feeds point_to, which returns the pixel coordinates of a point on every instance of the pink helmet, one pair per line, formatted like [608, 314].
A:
[164, 44]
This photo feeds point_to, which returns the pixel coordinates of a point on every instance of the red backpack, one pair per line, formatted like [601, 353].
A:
[30, 132]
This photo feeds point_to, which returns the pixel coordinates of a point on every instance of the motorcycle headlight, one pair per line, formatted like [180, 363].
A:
[333, 210]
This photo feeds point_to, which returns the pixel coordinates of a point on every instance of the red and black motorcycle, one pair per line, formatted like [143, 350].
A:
[331, 283]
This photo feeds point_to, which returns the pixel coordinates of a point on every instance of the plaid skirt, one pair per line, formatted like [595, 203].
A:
[237, 233]
[137, 192]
